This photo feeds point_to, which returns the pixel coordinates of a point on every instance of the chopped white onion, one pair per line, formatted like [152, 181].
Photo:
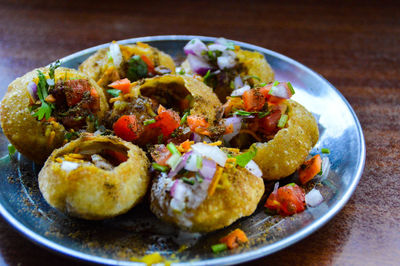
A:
[314, 198]
[69, 166]
[253, 168]
[281, 90]
[195, 47]
[238, 82]
[227, 60]
[198, 64]
[208, 169]
[177, 205]
[217, 47]
[115, 53]
[240, 91]
[237, 125]
[191, 163]
[211, 152]
[325, 168]
[50, 82]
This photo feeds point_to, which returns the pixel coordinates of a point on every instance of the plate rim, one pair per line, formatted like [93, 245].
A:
[231, 259]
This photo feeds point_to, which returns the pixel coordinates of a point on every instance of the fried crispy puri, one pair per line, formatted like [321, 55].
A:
[224, 207]
[283, 155]
[83, 189]
[250, 65]
[35, 139]
[95, 65]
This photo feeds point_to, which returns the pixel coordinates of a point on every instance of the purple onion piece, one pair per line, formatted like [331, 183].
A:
[195, 137]
[180, 165]
[195, 47]
[208, 169]
[198, 65]
[237, 125]
[173, 188]
[32, 89]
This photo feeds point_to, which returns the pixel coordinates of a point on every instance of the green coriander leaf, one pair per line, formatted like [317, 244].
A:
[114, 92]
[149, 121]
[282, 121]
[251, 77]
[276, 83]
[244, 158]
[53, 67]
[184, 118]
[11, 150]
[137, 68]
[291, 87]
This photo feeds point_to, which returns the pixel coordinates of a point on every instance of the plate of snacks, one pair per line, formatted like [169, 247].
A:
[175, 149]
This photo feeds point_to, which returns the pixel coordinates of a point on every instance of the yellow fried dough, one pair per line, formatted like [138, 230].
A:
[33, 138]
[98, 67]
[225, 206]
[75, 182]
[283, 155]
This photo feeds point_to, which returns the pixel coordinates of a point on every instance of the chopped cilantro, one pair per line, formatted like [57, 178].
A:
[291, 88]
[137, 68]
[251, 77]
[53, 67]
[158, 167]
[244, 158]
[219, 247]
[42, 92]
[148, 122]
[182, 72]
[245, 113]
[189, 181]
[11, 150]
[282, 121]
[325, 150]
[114, 92]
[70, 135]
[276, 83]
[184, 118]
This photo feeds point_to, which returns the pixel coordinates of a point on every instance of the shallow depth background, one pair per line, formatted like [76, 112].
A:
[354, 45]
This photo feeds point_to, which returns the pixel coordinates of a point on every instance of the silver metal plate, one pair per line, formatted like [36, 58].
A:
[138, 232]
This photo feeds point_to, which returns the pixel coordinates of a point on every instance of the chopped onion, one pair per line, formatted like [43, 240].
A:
[115, 53]
[198, 65]
[177, 205]
[237, 125]
[195, 47]
[32, 89]
[174, 161]
[50, 82]
[179, 165]
[281, 90]
[240, 91]
[217, 47]
[191, 162]
[208, 169]
[195, 137]
[325, 168]
[238, 82]
[226, 60]
[69, 166]
[211, 152]
[253, 168]
[314, 198]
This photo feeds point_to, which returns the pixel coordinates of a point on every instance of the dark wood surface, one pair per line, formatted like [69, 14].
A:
[355, 45]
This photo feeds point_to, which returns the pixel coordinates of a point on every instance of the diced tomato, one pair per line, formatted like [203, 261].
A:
[161, 154]
[95, 101]
[166, 120]
[198, 124]
[269, 125]
[253, 100]
[123, 85]
[126, 127]
[234, 238]
[120, 157]
[310, 168]
[287, 200]
[150, 65]
[77, 89]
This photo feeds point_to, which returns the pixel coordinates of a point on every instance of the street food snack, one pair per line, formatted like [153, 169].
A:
[205, 188]
[225, 66]
[282, 130]
[132, 61]
[47, 107]
[95, 177]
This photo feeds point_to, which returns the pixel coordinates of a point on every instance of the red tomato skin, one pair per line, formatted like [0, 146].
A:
[253, 100]
[126, 127]
[269, 125]
[161, 154]
[287, 200]
[167, 121]
[78, 88]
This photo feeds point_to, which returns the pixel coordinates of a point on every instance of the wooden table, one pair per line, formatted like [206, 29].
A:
[356, 46]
